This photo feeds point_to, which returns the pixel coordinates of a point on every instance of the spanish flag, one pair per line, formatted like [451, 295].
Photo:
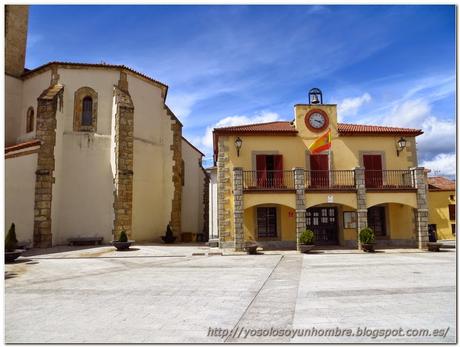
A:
[321, 143]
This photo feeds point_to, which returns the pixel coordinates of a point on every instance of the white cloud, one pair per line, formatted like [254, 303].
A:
[410, 113]
[349, 106]
[262, 117]
[443, 164]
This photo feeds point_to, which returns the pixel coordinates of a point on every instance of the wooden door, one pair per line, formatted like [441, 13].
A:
[319, 166]
[323, 222]
[376, 220]
[373, 170]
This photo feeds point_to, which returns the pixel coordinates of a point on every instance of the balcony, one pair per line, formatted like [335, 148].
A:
[268, 180]
[328, 180]
[389, 179]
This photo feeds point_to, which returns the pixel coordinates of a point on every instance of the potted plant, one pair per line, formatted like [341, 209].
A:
[11, 244]
[122, 244]
[366, 237]
[306, 241]
[169, 237]
[250, 246]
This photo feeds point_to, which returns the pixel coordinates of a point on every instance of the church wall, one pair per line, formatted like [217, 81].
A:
[13, 114]
[19, 195]
[192, 195]
[152, 187]
[83, 192]
[31, 90]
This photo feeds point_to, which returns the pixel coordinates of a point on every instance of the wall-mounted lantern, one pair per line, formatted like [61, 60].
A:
[401, 145]
[238, 144]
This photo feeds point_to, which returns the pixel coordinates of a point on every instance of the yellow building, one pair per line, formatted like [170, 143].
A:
[271, 188]
[441, 203]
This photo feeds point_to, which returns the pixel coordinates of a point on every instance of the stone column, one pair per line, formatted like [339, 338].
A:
[223, 193]
[421, 213]
[361, 201]
[46, 133]
[123, 193]
[299, 185]
[238, 208]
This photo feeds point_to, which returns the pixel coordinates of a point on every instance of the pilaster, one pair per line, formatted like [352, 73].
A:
[299, 185]
[421, 213]
[123, 193]
[223, 191]
[361, 201]
[46, 133]
[238, 208]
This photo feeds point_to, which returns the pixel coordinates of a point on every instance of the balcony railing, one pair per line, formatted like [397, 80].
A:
[330, 180]
[389, 179]
[268, 180]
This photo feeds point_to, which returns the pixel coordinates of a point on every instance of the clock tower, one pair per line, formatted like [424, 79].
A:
[315, 118]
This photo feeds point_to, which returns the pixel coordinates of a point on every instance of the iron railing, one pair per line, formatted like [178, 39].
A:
[330, 179]
[389, 179]
[268, 180]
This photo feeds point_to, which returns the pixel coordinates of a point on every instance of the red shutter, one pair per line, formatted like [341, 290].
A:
[452, 212]
[261, 167]
[319, 166]
[373, 170]
[278, 177]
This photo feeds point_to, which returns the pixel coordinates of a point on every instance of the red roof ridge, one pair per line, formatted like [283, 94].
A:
[252, 124]
[379, 126]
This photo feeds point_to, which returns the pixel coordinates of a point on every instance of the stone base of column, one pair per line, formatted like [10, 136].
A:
[362, 223]
[421, 220]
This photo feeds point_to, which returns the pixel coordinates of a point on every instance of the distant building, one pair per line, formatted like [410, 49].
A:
[442, 206]
[92, 149]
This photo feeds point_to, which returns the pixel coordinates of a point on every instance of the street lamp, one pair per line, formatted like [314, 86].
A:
[238, 144]
[401, 145]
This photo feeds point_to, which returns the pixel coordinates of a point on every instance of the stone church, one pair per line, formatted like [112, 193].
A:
[91, 149]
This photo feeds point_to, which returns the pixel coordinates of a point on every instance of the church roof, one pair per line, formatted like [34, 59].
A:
[90, 65]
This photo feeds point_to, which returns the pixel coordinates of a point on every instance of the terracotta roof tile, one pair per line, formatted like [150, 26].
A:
[440, 183]
[280, 126]
[351, 129]
[344, 129]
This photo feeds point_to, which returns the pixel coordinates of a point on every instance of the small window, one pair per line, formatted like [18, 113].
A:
[87, 115]
[452, 212]
[30, 120]
[266, 222]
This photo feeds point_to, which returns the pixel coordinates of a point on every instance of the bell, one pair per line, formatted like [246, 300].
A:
[314, 99]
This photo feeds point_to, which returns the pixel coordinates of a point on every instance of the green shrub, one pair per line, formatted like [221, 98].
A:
[123, 237]
[11, 242]
[366, 235]
[307, 237]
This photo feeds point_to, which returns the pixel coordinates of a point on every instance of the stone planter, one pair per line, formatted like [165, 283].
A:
[367, 247]
[434, 246]
[11, 256]
[122, 246]
[306, 248]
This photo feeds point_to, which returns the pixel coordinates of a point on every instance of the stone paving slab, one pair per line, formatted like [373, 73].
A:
[164, 294]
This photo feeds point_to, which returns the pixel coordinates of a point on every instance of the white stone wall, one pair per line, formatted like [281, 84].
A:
[192, 190]
[13, 99]
[213, 226]
[20, 195]
[152, 187]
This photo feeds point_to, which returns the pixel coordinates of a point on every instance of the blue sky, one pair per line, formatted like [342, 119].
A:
[227, 65]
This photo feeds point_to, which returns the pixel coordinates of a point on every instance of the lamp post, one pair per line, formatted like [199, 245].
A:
[401, 145]
[238, 144]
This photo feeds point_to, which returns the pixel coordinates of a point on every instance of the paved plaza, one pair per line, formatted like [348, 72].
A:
[181, 294]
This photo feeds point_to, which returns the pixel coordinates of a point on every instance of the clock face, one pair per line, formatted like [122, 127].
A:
[316, 120]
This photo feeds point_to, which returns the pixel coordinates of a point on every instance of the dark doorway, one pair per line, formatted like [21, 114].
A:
[323, 222]
[376, 220]
[432, 233]
[373, 170]
[319, 166]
